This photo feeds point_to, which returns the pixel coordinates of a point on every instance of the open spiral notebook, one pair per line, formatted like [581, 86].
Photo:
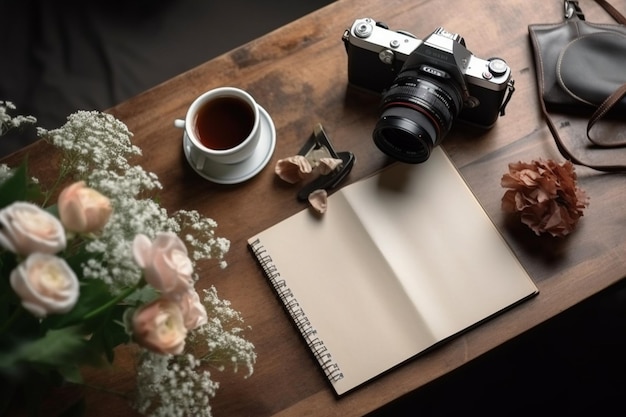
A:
[400, 262]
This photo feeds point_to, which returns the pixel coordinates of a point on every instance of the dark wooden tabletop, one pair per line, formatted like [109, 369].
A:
[299, 75]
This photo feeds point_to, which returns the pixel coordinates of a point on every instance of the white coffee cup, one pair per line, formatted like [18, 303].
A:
[223, 126]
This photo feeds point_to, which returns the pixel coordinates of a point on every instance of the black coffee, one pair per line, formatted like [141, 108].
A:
[224, 122]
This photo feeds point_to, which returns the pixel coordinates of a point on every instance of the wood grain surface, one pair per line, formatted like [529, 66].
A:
[299, 75]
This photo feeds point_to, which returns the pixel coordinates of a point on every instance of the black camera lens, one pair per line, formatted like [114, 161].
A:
[417, 112]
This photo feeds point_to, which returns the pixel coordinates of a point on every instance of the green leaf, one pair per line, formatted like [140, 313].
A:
[142, 296]
[93, 294]
[110, 333]
[19, 188]
[71, 373]
[57, 348]
[104, 329]
[14, 187]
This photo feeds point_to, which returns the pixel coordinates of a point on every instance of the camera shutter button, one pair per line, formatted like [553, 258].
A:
[363, 30]
[497, 67]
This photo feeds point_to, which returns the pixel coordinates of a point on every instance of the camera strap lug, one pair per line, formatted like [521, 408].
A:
[511, 90]
[572, 8]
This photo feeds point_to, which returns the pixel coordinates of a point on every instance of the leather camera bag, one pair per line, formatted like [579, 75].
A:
[581, 70]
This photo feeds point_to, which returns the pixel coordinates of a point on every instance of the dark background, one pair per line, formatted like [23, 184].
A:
[60, 56]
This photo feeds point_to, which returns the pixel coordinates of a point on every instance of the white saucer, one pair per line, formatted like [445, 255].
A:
[242, 171]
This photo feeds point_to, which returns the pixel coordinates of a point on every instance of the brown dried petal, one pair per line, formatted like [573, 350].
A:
[293, 169]
[316, 155]
[328, 165]
[545, 195]
[319, 200]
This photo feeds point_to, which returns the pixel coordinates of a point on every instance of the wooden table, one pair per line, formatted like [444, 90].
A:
[298, 74]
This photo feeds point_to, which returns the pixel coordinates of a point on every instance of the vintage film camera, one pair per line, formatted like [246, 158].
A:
[425, 85]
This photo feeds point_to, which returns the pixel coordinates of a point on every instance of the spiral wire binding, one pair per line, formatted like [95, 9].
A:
[299, 317]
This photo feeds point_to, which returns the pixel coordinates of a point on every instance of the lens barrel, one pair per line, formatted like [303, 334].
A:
[417, 111]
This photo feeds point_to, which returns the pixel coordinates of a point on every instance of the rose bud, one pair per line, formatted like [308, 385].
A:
[83, 209]
[158, 326]
[166, 265]
[45, 284]
[26, 228]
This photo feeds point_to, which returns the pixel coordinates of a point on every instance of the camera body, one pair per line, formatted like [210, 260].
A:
[377, 55]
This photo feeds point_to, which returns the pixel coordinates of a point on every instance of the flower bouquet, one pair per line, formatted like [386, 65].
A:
[92, 261]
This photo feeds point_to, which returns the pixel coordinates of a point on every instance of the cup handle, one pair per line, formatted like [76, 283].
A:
[179, 123]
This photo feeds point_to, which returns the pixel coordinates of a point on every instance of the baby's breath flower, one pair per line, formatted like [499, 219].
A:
[8, 122]
[174, 386]
[200, 234]
[5, 172]
[222, 334]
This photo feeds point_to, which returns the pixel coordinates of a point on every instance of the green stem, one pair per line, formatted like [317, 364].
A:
[56, 184]
[113, 301]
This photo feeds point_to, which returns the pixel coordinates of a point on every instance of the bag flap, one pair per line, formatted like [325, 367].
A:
[593, 66]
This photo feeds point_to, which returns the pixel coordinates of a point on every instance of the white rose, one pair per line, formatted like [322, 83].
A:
[45, 284]
[26, 228]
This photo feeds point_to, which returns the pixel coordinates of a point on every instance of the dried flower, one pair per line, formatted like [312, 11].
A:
[293, 169]
[299, 167]
[546, 196]
[319, 201]
[328, 165]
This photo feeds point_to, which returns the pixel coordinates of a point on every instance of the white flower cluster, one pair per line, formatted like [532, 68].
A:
[166, 382]
[222, 334]
[199, 233]
[173, 386]
[95, 149]
[8, 122]
[5, 172]
[93, 140]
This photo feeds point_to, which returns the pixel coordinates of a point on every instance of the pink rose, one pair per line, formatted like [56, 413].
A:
[83, 209]
[194, 313]
[45, 284]
[158, 326]
[165, 262]
[26, 228]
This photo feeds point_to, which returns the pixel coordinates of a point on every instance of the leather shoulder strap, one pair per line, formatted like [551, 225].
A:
[600, 112]
[619, 18]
